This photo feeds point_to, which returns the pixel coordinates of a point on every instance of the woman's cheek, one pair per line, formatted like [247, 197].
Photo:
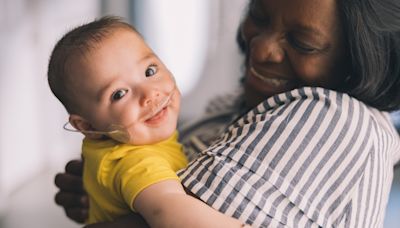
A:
[308, 69]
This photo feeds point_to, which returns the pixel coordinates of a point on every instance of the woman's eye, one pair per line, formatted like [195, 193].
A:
[117, 95]
[302, 47]
[151, 70]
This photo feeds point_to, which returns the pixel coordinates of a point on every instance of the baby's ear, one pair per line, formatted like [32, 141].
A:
[82, 125]
[79, 123]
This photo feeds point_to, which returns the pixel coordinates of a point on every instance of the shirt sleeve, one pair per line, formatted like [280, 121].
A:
[295, 160]
[139, 170]
[395, 119]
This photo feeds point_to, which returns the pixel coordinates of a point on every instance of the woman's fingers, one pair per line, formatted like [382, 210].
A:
[71, 180]
[71, 200]
[77, 214]
[75, 205]
[69, 183]
[74, 167]
[72, 196]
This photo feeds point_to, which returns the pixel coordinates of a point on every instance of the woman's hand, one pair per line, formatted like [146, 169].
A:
[73, 198]
[71, 195]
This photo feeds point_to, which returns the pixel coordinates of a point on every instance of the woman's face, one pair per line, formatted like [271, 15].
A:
[292, 43]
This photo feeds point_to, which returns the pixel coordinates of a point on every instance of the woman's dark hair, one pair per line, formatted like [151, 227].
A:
[372, 33]
[372, 30]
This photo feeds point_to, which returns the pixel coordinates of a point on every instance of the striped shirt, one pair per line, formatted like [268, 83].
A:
[309, 157]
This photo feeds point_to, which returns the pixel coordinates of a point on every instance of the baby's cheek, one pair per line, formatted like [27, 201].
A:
[126, 116]
[177, 100]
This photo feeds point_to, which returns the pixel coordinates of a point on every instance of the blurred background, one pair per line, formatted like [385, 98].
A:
[195, 38]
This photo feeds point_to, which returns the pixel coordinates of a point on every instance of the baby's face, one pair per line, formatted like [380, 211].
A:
[119, 82]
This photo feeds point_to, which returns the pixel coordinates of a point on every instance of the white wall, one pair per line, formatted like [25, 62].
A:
[178, 32]
[222, 69]
[31, 135]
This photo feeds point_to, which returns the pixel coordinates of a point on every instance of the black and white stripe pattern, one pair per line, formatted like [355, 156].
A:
[310, 157]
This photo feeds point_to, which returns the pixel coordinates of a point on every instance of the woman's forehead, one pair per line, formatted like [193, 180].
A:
[318, 17]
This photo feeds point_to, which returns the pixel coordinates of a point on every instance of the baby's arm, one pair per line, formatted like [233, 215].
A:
[165, 204]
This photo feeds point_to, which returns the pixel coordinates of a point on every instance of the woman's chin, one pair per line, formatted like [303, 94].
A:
[253, 98]
[258, 90]
[254, 95]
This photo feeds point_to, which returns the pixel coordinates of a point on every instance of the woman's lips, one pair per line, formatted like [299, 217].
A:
[278, 82]
[265, 84]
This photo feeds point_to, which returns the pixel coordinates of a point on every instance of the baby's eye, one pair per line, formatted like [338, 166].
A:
[151, 70]
[117, 95]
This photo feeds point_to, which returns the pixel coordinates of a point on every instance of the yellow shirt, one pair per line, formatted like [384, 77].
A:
[114, 173]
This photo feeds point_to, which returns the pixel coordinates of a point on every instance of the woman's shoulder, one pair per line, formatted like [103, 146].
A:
[319, 113]
[308, 98]
[311, 146]
[323, 109]
[312, 101]
[307, 95]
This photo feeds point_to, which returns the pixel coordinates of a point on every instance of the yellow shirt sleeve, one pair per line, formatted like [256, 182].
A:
[139, 170]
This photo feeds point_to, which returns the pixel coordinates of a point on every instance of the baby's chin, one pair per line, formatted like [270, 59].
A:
[152, 137]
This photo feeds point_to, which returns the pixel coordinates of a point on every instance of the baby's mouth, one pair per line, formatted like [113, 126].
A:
[158, 107]
[157, 115]
[269, 80]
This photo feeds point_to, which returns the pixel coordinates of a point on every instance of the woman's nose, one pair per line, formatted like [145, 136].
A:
[266, 48]
[149, 97]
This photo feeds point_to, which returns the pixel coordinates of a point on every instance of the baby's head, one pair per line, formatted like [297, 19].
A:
[105, 75]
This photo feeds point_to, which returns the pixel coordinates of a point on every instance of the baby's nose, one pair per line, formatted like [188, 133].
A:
[150, 98]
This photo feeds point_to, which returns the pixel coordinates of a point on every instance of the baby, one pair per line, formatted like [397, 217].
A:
[124, 100]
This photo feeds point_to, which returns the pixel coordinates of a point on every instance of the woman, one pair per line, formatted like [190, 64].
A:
[308, 142]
